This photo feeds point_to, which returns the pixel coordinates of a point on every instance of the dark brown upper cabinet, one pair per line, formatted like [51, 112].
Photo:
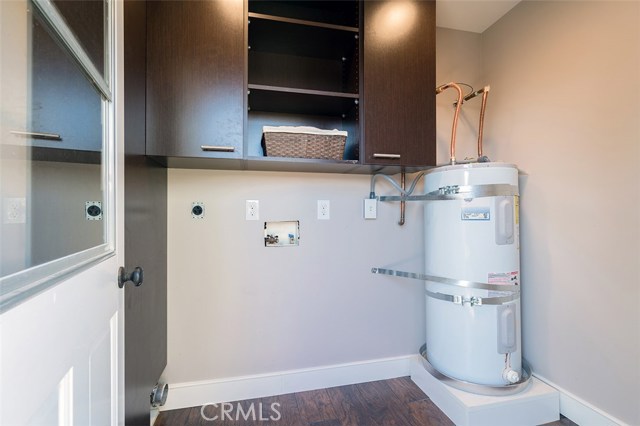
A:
[398, 99]
[195, 78]
[220, 70]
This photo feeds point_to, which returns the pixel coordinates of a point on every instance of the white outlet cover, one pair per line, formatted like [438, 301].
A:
[15, 210]
[252, 210]
[370, 208]
[324, 210]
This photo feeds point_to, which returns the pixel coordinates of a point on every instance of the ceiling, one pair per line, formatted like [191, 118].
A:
[471, 15]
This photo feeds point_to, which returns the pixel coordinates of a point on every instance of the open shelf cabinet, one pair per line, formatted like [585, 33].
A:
[303, 67]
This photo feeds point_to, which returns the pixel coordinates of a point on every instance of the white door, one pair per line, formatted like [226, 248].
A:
[61, 354]
[61, 350]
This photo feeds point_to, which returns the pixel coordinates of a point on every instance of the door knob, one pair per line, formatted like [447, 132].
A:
[136, 276]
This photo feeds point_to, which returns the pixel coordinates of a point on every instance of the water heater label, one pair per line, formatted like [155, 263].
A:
[512, 278]
[475, 213]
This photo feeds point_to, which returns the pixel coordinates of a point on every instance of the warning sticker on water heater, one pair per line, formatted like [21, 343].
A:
[512, 278]
[475, 213]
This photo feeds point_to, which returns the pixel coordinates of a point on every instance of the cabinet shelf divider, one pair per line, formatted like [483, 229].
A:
[302, 22]
[302, 91]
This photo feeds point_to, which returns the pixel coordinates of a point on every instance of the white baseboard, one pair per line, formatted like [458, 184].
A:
[580, 411]
[155, 412]
[193, 394]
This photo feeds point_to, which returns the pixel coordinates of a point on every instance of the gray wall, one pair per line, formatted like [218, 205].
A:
[458, 59]
[239, 308]
[564, 106]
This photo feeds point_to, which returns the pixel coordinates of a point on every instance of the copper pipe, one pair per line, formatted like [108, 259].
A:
[458, 104]
[485, 93]
[402, 203]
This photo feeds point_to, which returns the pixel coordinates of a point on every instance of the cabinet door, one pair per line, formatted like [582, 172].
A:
[399, 83]
[195, 78]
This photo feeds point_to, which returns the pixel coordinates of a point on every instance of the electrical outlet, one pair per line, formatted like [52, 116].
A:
[197, 210]
[252, 211]
[93, 210]
[370, 208]
[15, 210]
[324, 209]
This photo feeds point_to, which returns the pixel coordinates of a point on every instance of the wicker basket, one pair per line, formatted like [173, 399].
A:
[303, 145]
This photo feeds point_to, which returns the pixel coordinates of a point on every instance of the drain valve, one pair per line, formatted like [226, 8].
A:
[511, 376]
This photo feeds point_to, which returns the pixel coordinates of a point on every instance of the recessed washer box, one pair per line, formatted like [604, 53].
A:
[282, 234]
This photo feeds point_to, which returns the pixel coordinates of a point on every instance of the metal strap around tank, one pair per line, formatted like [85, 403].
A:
[473, 300]
[458, 192]
[448, 281]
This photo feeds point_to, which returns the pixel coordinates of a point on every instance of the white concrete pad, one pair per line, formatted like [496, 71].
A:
[538, 404]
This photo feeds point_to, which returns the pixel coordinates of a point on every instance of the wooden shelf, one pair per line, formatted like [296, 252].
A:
[342, 13]
[300, 101]
[303, 91]
[298, 165]
[301, 164]
[303, 22]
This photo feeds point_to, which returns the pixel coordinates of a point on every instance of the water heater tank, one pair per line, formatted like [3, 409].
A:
[473, 334]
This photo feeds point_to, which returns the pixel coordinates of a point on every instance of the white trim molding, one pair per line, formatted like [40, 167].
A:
[193, 394]
[580, 411]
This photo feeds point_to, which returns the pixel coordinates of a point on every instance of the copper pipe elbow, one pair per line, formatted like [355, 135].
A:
[458, 104]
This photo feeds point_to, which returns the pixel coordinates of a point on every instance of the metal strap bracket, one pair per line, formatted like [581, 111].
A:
[458, 192]
[510, 291]
[448, 281]
[459, 300]
[448, 190]
[473, 300]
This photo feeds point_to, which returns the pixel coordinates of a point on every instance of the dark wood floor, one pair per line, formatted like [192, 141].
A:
[386, 402]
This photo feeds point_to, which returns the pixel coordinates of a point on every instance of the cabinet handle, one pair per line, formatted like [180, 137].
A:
[387, 156]
[216, 148]
[37, 135]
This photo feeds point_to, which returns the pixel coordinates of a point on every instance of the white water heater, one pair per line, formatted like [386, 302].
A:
[473, 260]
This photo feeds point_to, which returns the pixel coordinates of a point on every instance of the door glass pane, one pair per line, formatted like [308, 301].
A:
[52, 191]
[86, 18]
[63, 101]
